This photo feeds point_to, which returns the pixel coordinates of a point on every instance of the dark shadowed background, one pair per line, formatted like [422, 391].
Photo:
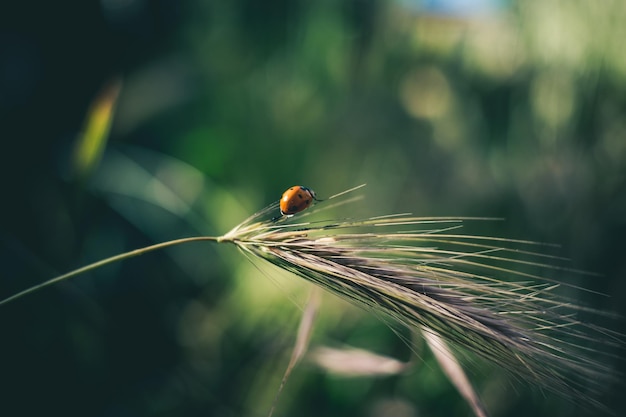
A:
[502, 109]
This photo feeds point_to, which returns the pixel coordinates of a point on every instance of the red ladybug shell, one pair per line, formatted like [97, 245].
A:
[296, 199]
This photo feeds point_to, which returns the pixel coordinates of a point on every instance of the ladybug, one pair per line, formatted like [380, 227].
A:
[296, 199]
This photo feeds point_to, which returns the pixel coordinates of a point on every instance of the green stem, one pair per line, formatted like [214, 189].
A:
[106, 261]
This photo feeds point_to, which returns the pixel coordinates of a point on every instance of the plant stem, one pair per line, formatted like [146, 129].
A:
[106, 261]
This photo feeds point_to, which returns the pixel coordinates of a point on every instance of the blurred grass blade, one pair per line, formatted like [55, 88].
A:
[453, 370]
[354, 362]
[92, 141]
[305, 328]
[302, 340]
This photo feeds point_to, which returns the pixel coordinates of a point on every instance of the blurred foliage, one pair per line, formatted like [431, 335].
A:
[510, 109]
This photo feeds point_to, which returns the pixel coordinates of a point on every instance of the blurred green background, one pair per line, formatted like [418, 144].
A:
[512, 109]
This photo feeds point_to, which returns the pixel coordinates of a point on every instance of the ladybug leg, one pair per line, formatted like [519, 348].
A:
[282, 216]
[315, 196]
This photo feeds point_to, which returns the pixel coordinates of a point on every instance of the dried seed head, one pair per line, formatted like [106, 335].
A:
[423, 274]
